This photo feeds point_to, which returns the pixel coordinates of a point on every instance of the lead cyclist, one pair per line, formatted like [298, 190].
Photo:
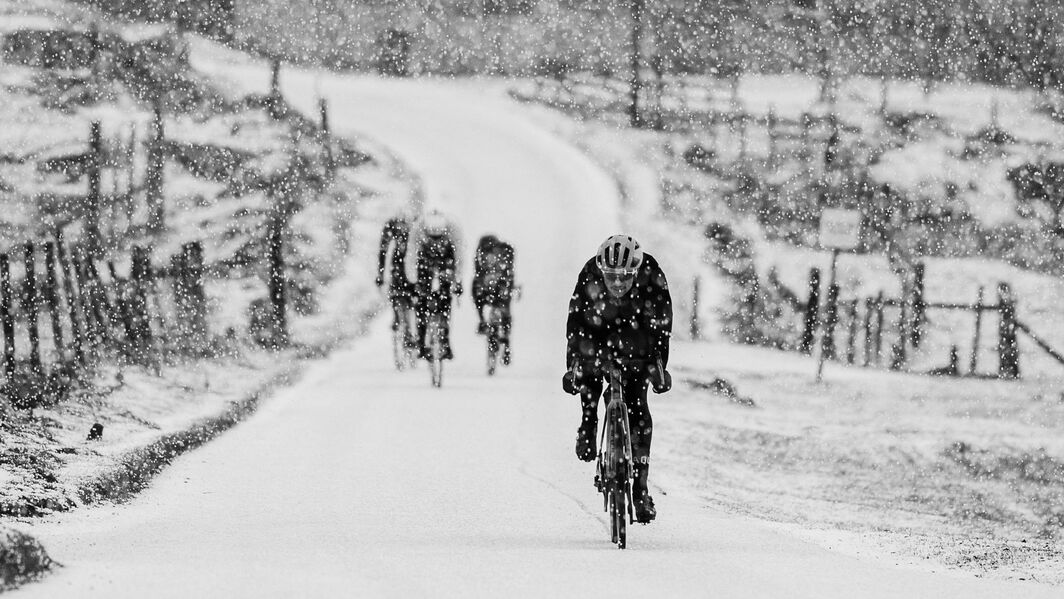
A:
[621, 307]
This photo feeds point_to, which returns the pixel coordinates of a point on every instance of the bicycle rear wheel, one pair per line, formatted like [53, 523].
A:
[435, 353]
[493, 352]
[618, 513]
[399, 344]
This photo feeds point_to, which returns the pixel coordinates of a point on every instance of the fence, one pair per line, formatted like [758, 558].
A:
[862, 326]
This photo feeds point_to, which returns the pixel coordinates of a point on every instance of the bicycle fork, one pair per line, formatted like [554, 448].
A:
[608, 467]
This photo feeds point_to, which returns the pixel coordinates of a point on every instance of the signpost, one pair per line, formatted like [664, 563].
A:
[839, 230]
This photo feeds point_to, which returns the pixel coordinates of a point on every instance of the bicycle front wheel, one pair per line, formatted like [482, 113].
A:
[618, 513]
[435, 345]
[399, 343]
[493, 352]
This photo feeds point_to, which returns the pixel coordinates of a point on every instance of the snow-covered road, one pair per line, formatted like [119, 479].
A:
[360, 481]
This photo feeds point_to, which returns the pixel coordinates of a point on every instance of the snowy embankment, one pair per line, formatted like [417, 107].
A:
[929, 472]
[149, 416]
[933, 147]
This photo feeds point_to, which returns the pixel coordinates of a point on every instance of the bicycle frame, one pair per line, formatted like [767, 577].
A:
[494, 320]
[405, 337]
[615, 463]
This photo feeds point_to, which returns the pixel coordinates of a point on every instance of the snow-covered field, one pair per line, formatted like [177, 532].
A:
[48, 464]
[937, 148]
[361, 480]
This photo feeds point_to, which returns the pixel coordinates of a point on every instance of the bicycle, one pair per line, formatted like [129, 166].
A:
[435, 321]
[434, 343]
[494, 318]
[614, 465]
[404, 336]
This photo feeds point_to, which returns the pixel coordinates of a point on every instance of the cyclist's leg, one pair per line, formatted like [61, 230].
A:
[478, 303]
[641, 425]
[590, 386]
[421, 312]
[397, 298]
[444, 307]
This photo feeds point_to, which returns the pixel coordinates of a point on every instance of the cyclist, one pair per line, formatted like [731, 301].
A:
[493, 285]
[621, 308]
[437, 244]
[394, 246]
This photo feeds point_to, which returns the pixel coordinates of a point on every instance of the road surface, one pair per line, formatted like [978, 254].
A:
[360, 481]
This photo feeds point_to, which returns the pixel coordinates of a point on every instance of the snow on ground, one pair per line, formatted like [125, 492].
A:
[937, 151]
[922, 470]
[49, 461]
[359, 479]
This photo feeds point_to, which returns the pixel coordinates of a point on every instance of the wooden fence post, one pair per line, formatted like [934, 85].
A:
[919, 315]
[812, 307]
[696, 330]
[140, 276]
[93, 327]
[880, 321]
[7, 319]
[744, 143]
[831, 319]
[190, 295]
[323, 115]
[869, 310]
[275, 78]
[806, 152]
[773, 137]
[974, 361]
[93, 241]
[851, 339]
[1008, 348]
[51, 297]
[78, 333]
[101, 304]
[154, 172]
[32, 308]
[275, 256]
[898, 350]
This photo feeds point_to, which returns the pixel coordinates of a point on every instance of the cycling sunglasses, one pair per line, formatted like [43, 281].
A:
[619, 275]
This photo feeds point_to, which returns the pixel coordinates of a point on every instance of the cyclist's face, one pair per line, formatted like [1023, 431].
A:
[618, 284]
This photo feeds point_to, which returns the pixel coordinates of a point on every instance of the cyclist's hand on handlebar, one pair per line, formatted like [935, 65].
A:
[661, 383]
[569, 383]
[660, 379]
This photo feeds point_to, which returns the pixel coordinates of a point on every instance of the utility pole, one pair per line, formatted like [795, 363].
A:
[638, 7]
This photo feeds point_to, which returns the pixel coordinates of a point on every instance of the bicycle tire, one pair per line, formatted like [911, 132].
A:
[435, 353]
[493, 352]
[618, 515]
[399, 347]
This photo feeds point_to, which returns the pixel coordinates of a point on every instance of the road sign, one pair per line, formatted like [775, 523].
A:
[840, 229]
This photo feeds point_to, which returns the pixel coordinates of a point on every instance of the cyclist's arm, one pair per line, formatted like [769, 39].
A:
[386, 242]
[660, 324]
[577, 329]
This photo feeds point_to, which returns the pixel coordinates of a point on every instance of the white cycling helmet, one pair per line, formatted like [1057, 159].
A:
[434, 223]
[619, 254]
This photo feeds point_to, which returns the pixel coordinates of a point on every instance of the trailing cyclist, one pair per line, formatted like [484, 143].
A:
[493, 285]
[620, 309]
[438, 245]
[393, 249]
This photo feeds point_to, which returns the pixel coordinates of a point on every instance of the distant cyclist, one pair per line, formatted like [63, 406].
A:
[393, 252]
[438, 246]
[493, 285]
[621, 308]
